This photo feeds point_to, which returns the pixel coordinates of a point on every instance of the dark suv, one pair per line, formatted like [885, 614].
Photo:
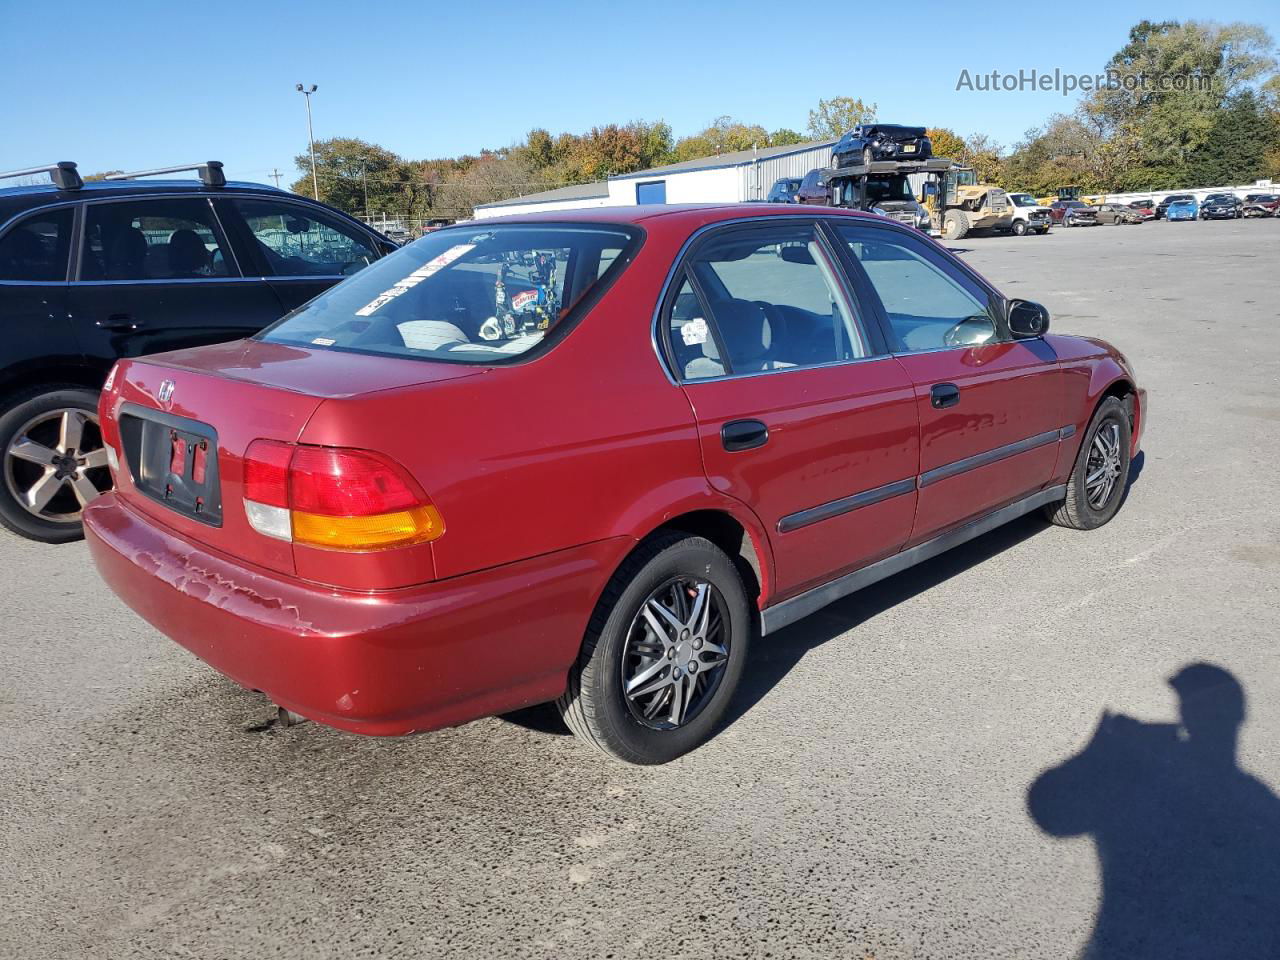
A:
[91, 272]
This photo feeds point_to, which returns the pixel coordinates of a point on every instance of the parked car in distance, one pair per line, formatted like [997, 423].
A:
[1182, 210]
[814, 188]
[1073, 213]
[1144, 208]
[1221, 206]
[596, 504]
[869, 142]
[1028, 215]
[784, 190]
[90, 272]
[1163, 206]
[1261, 205]
[1117, 213]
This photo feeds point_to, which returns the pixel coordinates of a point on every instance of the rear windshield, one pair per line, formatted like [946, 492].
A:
[474, 294]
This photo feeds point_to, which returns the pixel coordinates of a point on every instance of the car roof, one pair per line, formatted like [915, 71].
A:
[15, 200]
[682, 214]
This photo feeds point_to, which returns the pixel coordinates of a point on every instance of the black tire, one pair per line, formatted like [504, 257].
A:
[19, 411]
[1076, 511]
[1019, 228]
[955, 225]
[594, 706]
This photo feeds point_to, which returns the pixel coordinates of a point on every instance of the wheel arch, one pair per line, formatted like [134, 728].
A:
[17, 381]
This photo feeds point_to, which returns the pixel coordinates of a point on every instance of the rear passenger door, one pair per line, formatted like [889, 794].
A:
[158, 274]
[298, 249]
[990, 407]
[801, 415]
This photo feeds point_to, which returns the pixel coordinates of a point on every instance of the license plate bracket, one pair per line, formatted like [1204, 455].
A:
[174, 461]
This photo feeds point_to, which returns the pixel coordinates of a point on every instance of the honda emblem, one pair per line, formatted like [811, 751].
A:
[166, 391]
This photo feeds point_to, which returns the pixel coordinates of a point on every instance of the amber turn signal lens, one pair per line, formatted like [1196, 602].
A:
[374, 532]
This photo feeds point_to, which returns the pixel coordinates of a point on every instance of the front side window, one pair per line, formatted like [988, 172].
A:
[36, 249]
[766, 299]
[470, 295]
[173, 238]
[294, 241]
[930, 305]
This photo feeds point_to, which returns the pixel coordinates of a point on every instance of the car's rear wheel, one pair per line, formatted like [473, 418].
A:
[1097, 483]
[663, 653]
[54, 462]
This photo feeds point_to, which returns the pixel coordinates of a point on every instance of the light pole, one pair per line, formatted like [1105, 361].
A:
[311, 138]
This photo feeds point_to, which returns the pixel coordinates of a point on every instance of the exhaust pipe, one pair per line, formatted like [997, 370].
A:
[287, 718]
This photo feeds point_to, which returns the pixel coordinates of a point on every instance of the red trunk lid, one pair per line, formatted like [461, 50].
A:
[225, 397]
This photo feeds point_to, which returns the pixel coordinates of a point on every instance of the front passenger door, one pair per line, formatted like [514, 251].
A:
[990, 407]
[301, 251]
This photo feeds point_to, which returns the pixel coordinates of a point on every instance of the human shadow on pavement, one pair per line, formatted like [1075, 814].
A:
[1188, 843]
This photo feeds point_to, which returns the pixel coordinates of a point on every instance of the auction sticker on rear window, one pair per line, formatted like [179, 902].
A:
[435, 265]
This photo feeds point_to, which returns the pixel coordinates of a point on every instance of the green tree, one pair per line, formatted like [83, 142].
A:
[723, 135]
[1236, 150]
[836, 116]
[946, 143]
[347, 167]
[784, 136]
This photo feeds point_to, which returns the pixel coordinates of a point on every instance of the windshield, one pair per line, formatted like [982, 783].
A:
[1179, 198]
[1218, 198]
[880, 189]
[1023, 200]
[473, 295]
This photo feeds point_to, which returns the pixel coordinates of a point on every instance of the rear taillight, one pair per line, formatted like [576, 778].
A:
[334, 497]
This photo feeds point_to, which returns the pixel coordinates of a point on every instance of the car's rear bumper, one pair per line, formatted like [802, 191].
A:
[385, 663]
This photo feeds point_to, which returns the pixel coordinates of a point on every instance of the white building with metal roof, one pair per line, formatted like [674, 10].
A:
[726, 178]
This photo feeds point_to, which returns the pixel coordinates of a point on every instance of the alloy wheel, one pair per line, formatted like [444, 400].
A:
[1102, 471]
[675, 653]
[56, 464]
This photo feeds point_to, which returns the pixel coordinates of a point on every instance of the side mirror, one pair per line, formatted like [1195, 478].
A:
[1027, 319]
[930, 189]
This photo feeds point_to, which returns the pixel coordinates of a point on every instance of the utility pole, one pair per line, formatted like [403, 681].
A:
[276, 173]
[311, 138]
[364, 177]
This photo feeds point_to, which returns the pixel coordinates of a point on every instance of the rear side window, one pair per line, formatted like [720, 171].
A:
[767, 299]
[170, 238]
[469, 295]
[293, 241]
[36, 249]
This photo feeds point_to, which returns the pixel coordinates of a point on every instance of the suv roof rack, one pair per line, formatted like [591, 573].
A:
[210, 173]
[63, 174]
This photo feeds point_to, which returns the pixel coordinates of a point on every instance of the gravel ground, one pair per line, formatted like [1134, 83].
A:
[869, 797]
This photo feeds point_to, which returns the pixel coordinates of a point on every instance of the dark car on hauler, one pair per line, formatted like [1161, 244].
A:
[92, 272]
[869, 142]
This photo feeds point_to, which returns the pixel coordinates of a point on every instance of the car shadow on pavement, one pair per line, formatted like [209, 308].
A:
[1188, 843]
[773, 657]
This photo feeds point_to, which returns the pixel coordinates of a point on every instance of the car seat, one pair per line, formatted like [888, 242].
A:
[748, 339]
[188, 256]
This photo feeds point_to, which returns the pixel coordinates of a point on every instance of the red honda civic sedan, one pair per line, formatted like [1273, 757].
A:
[586, 457]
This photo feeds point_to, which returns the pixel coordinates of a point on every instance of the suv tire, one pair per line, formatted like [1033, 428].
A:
[623, 649]
[50, 448]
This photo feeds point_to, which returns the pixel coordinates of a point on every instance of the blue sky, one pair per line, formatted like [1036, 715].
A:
[143, 84]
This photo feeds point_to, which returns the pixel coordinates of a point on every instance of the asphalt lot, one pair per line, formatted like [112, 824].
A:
[870, 796]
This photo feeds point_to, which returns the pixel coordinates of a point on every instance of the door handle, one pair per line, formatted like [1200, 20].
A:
[120, 321]
[739, 435]
[944, 395]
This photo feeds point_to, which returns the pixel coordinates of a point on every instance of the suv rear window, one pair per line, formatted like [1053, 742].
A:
[475, 295]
